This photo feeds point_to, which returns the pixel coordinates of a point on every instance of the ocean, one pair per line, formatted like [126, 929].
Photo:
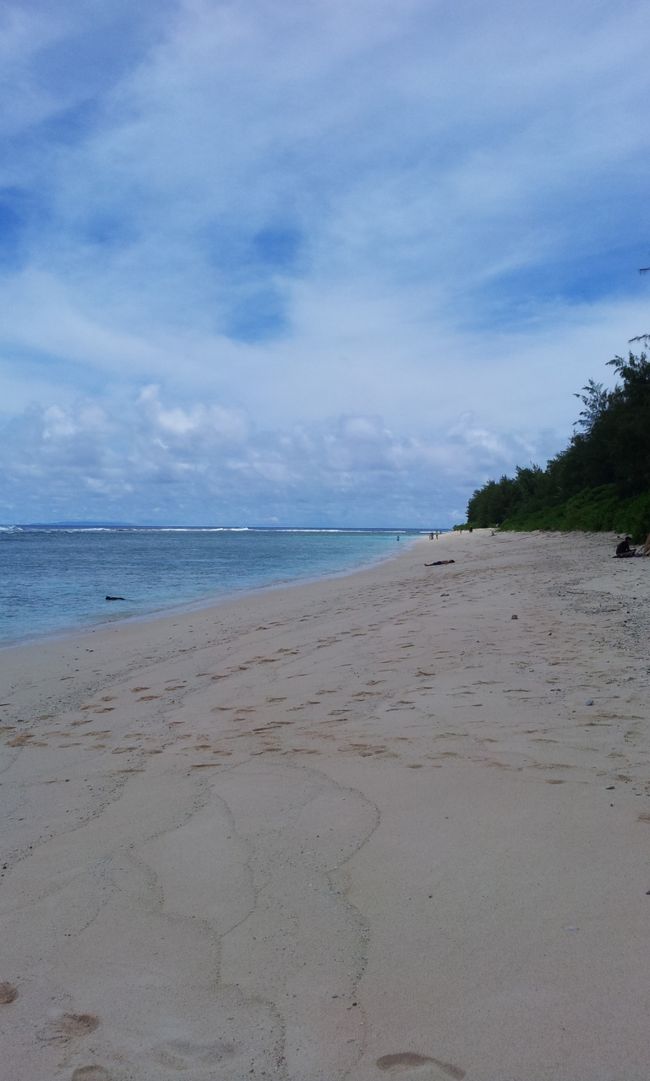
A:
[56, 579]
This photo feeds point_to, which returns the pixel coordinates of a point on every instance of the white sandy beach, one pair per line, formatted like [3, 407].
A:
[368, 828]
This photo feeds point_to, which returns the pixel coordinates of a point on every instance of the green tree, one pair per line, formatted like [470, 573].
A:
[600, 480]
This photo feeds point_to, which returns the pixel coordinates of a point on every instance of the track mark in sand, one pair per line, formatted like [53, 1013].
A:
[8, 993]
[90, 1073]
[136, 690]
[550, 765]
[643, 818]
[367, 750]
[299, 750]
[145, 698]
[405, 1060]
[71, 1025]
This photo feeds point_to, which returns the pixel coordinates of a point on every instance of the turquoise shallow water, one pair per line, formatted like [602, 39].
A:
[57, 579]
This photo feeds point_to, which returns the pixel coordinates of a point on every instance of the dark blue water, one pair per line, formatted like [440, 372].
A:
[57, 579]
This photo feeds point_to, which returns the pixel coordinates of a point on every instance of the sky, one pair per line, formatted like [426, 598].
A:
[320, 263]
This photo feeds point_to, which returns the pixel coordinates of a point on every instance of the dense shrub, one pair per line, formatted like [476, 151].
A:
[601, 481]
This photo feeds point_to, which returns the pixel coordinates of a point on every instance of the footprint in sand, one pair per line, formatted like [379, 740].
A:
[70, 1026]
[20, 741]
[90, 1073]
[415, 1064]
[183, 1055]
[8, 993]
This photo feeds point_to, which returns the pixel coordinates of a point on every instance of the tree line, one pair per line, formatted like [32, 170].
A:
[600, 481]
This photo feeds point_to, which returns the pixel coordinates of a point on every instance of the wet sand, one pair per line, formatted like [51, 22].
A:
[390, 826]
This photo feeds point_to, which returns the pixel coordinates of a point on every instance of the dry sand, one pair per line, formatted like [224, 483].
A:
[369, 828]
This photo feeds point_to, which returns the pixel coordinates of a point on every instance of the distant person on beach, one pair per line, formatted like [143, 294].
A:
[623, 549]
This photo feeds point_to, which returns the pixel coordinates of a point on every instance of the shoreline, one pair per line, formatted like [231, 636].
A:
[208, 600]
[391, 824]
[121, 636]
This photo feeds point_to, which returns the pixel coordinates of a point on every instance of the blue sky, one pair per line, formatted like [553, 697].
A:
[323, 263]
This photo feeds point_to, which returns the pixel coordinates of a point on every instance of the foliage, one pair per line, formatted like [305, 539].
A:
[601, 481]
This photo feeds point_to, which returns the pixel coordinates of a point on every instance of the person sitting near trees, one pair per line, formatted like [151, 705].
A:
[623, 548]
